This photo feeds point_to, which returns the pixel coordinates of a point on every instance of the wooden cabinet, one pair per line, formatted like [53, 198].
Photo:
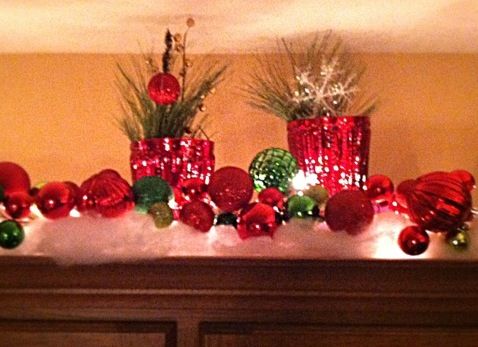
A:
[239, 302]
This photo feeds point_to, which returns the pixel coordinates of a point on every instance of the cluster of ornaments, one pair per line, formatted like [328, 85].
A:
[435, 202]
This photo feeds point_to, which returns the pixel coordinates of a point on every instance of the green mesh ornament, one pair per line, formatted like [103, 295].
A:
[273, 167]
[301, 206]
[162, 214]
[11, 234]
[150, 190]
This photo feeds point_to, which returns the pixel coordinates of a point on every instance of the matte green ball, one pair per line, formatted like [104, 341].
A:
[150, 190]
[11, 234]
[273, 167]
[162, 214]
[301, 206]
[318, 193]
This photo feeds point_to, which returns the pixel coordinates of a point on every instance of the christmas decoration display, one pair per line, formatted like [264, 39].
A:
[161, 113]
[162, 214]
[198, 215]
[349, 210]
[13, 178]
[11, 234]
[55, 200]
[413, 240]
[257, 219]
[328, 124]
[439, 202]
[149, 190]
[105, 193]
[273, 167]
[230, 188]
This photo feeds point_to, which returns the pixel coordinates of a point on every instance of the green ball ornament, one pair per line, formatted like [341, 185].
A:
[162, 214]
[150, 190]
[273, 167]
[301, 206]
[318, 193]
[459, 239]
[11, 234]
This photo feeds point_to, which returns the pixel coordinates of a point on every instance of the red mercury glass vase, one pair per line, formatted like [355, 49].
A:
[335, 150]
[173, 159]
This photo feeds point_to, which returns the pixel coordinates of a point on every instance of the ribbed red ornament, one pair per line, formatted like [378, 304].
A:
[439, 202]
[173, 159]
[335, 149]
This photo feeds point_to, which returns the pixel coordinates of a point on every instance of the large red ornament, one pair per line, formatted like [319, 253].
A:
[198, 215]
[349, 210]
[17, 204]
[106, 193]
[230, 188]
[55, 200]
[257, 219]
[379, 188]
[413, 240]
[164, 89]
[439, 202]
[13, 178]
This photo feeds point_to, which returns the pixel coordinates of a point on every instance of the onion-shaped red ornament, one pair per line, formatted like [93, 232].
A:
[198, 215]
[106, 193]
[230, 188]
[13, 178]
[349, 210]
[379, 188]
[439, 202]
[413, 240]
[164, 89]
[55, 200]
[466, 177]
[17, 204]
[257, 219]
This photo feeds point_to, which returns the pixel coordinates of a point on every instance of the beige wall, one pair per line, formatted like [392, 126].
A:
[57, 115]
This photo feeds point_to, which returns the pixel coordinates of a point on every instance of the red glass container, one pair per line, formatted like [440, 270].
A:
[333, 149]
[173, 159]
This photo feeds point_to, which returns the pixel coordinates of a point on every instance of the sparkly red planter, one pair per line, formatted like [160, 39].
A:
[173, 159]
[335, 149]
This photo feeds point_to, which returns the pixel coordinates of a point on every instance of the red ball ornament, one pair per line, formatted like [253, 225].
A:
[164, 89]
[17, 204]
[230, 188]
[194, 189]
[106, 193]
[348, 210]
[198, 215]
[379, 189]
[413, 240]
[257, 219]
[466, 177]
[273, 197]
[55, 200]
[13, 178]
[439, 202]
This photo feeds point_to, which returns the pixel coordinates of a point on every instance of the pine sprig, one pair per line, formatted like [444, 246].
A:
[305, 80]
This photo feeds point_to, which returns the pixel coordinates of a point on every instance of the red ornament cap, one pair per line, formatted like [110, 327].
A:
[164, 89]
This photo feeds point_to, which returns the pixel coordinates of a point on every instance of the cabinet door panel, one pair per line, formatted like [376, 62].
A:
[86, 334]
[282, 335]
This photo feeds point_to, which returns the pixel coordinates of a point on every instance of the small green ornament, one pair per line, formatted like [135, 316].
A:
[318, 193]
[459, 239]
[162, 214]
[301, 206]
[11, 234]
[273, 167]
[150, 190]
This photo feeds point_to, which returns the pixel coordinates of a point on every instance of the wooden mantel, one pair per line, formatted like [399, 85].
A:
[239, 302]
